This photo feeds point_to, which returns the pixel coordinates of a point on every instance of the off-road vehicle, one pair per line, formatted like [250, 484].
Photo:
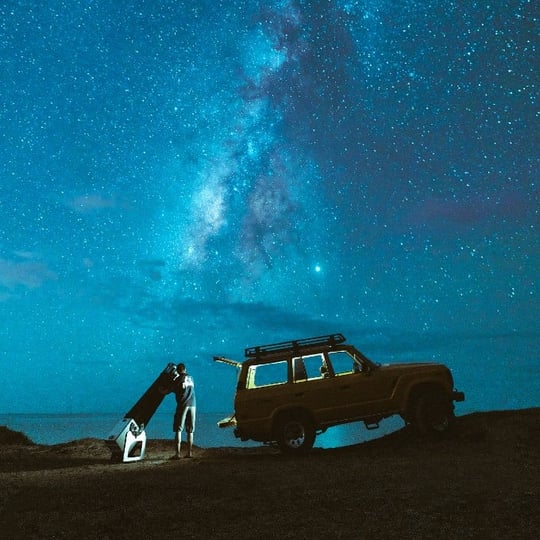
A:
[289, 392]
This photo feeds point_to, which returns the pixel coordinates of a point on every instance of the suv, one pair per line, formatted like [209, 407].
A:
[289, 392]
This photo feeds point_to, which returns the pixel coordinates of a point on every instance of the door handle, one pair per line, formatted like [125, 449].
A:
[299, 394]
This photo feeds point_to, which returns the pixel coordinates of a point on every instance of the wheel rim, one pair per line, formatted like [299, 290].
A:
[440, 423]
[294, 434]
[433, 414]
[437, 417]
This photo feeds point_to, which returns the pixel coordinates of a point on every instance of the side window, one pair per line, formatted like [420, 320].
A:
[342, 362]
[267, 374]
[307, 367]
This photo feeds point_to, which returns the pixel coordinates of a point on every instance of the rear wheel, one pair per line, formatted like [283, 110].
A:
[294, 433]
[433, 413]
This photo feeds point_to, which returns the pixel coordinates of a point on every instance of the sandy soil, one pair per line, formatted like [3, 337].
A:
[482, 481]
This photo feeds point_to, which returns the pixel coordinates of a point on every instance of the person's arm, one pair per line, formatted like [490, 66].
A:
[164, 390]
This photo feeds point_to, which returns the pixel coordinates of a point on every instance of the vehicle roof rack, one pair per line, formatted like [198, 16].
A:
[296, 345]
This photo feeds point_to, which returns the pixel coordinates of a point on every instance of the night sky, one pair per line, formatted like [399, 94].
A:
[187, 178]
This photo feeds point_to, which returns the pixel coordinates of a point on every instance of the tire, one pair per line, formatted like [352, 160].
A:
[433, 414]
[294, 433]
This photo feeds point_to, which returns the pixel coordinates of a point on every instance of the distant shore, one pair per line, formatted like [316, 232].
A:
[50, 429]
[482, 481]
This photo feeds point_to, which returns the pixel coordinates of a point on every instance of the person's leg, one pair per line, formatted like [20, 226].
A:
[177, 442]
[177, 434]
[189, 445]
[179, 422]
[190, 428]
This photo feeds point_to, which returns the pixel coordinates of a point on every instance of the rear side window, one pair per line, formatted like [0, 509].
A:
[267, 374]
[342, 362]
[309, 367]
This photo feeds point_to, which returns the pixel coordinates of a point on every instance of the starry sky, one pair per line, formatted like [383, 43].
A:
[187, 178]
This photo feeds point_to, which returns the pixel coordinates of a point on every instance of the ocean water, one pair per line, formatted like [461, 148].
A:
[60, 428]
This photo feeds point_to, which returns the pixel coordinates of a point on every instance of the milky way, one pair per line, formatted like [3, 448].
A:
[191, 178]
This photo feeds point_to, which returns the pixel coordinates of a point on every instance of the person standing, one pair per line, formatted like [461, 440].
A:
[183, 387]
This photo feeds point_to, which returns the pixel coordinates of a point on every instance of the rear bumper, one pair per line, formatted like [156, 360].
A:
[256, 430]
[227, 422]
[458, 396]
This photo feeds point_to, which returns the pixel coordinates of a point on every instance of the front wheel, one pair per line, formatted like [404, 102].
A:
[295, 434]
[433, 414]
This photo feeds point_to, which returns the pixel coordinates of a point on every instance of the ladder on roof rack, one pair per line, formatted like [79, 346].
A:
[295, 345]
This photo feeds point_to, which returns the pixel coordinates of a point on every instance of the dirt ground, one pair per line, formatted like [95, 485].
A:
[482, 481]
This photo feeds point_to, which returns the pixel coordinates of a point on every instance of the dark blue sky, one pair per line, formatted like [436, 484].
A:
[184, 179]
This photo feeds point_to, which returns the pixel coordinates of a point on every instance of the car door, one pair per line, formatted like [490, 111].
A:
[312, 388]
[358, 393]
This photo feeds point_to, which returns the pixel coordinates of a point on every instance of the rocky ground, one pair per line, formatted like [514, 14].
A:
[482, 481]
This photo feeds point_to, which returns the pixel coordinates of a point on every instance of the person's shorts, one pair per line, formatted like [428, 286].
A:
[184, 419]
